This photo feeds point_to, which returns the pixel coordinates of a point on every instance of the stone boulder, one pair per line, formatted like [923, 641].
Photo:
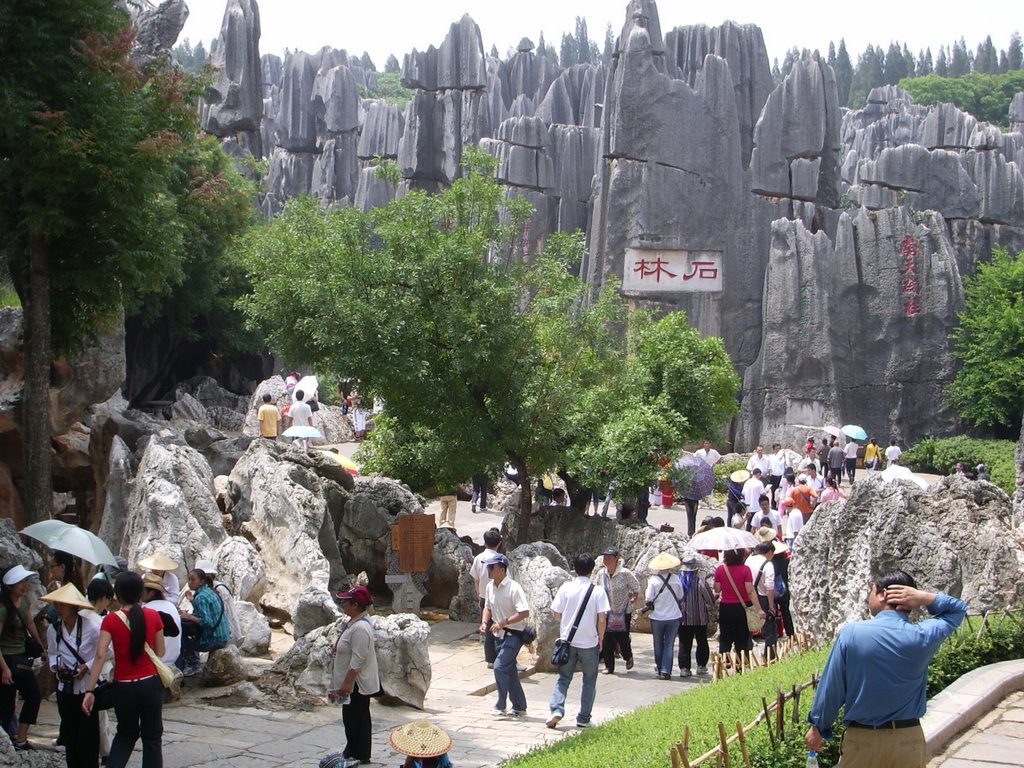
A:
[401, 643]
[37, 758]
[241, 568]
[186, 410]
[314, 608]
[275, 387]
[448, 581]
[233, 102]
[958, 537]
[225, 667]
[13, 552]
[156, 28]
[540, 569]
[255, 630]
[171, 506]
[282, 508]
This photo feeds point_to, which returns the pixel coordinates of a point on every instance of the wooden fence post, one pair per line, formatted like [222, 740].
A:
[724, 743]
[780, 709]
[684, 747]
[743, 744]
[768, 721]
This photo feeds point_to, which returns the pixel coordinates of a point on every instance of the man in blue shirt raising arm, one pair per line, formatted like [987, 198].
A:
[877, 671]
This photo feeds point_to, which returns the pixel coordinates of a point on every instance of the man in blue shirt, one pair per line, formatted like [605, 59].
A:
[877, 671]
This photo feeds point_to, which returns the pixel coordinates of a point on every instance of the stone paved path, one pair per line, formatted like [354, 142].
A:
[995, 741]
[199, 734]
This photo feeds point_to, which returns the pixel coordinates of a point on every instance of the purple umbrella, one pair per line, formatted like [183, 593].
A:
[693, 477]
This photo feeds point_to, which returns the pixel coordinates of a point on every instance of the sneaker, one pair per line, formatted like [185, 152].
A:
[520, 667]
[484, 509]
[515, 714]
[702, 670]
[22, 746]
[606, 672]
[629, 663]
[554, 720]
[685, 673]
[499, 712]
[587, 724]
[473, 508]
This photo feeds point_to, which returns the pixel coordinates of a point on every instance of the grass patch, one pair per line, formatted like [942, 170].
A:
[643, 737]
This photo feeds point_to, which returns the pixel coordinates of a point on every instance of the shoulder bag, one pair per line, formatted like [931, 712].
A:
[753, 612]
[560, 653]
[103, 693]
[167, 674]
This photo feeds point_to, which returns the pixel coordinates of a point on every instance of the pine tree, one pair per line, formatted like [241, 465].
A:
[941, 65]
[844, 73]
[924, 63]
[567, 56]
[584, 50]
[542, 47]
[1014, 53]
[894, 66]
[987, 60]
[609, 44]
[959, 63]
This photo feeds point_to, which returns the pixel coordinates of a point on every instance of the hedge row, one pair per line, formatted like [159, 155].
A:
[941, 457]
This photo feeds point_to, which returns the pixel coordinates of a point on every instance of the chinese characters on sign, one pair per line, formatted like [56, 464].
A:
[909, 286]
[671, 271]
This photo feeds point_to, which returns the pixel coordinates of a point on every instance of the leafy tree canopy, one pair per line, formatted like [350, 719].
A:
[987, 97]
[480, 357]
[988, 390]
[390, 88]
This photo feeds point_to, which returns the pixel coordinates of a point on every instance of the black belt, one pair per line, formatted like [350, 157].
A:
[891, 725]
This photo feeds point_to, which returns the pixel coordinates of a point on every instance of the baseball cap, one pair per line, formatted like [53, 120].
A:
[610, 551]
[357, 594]
[497, 559]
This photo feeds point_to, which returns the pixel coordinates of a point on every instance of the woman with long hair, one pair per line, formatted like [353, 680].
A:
[138, 692]
[734, 586]
[16, 674]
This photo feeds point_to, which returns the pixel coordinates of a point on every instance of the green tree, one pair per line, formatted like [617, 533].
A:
[583, 44]
[986, 60]
[942, 63]
[870, 73]
[895, 66]
[86, 217]
[924, 63]
[1014, 54]
[960, 60]
[481, 357]
[568, 54]
[987, 97]
[844, 73]
[609, 45]
[988, 341]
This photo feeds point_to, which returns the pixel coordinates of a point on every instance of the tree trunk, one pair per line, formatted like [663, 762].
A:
[522, 535]
[37, 491]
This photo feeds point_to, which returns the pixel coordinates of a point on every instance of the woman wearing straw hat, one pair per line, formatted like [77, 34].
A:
[165, 568]
[662, 602]
[16, 674]
[424, 744]
[71, 648]
[138, 692]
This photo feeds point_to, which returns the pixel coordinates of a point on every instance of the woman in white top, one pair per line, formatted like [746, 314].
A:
[153, 598]
[71, 650]
[355, 675]
[662, 602]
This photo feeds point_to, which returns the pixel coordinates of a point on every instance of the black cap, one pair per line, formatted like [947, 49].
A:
[610, 551]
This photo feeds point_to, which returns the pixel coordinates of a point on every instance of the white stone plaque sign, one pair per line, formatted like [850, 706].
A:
[650, 270]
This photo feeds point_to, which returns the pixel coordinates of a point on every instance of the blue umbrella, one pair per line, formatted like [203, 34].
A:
[698, 479]
[855, 432]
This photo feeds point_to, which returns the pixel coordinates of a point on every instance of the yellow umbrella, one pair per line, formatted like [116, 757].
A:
[350, 466]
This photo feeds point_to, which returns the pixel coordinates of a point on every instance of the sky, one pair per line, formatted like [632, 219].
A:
[398, 26]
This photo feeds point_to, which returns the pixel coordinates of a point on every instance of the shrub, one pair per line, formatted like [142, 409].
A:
[724, 469]
[973, 645]
[940, 456]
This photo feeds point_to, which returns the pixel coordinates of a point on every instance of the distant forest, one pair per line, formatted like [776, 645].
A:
[981, 82]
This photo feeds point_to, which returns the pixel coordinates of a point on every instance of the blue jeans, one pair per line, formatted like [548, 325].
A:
[588, 658]
[664, 633]
[506, 676]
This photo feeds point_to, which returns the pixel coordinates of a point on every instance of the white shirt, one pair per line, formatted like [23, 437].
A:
[567, 603]
[172, 589]
[764, 463]
[478, 571]
[794, 522]
[172, 645]
[709, 457]
[851, 449]
[752, 490]
[772, 519]
[767, 576]
[302, 414]
[666, 604]
[504, 600]
[60, 655]
[807, 462]
[234, 625]
[893, 453]
[817, 482]
[777, 465]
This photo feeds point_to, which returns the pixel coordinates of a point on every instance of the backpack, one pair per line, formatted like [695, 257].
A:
[780, 587]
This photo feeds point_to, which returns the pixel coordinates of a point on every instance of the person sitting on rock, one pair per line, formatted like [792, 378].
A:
[206, 628]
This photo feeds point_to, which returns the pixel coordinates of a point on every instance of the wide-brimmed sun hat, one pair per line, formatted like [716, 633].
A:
[664, 561]
[740, 476]
[420, 739]
[765, 533]
[158, 561]
[68, 595]
[151, 581]
[207, 567]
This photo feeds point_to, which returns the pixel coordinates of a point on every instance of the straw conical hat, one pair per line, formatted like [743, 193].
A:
[420, 739]
[69, 595]
[664, 561]
[158, 561]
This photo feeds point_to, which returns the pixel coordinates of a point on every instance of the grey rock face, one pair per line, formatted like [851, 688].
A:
[296, 121]
[336, 169]
[226, 667]
[171, 507]
[255, 630]
[449, 582]
[1017, 113]
[458, 64]
[157, 29]
[335, 100]
[900, 525]
[314, 608]
[797, 137]
[871, 325]
[13, 552]
[241, 568]
[381, 130]
[742, 46]
[290, 175]
[363, 529]
[234, 101]
[401, 645]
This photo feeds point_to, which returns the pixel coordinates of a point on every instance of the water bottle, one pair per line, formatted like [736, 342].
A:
[812, 759]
